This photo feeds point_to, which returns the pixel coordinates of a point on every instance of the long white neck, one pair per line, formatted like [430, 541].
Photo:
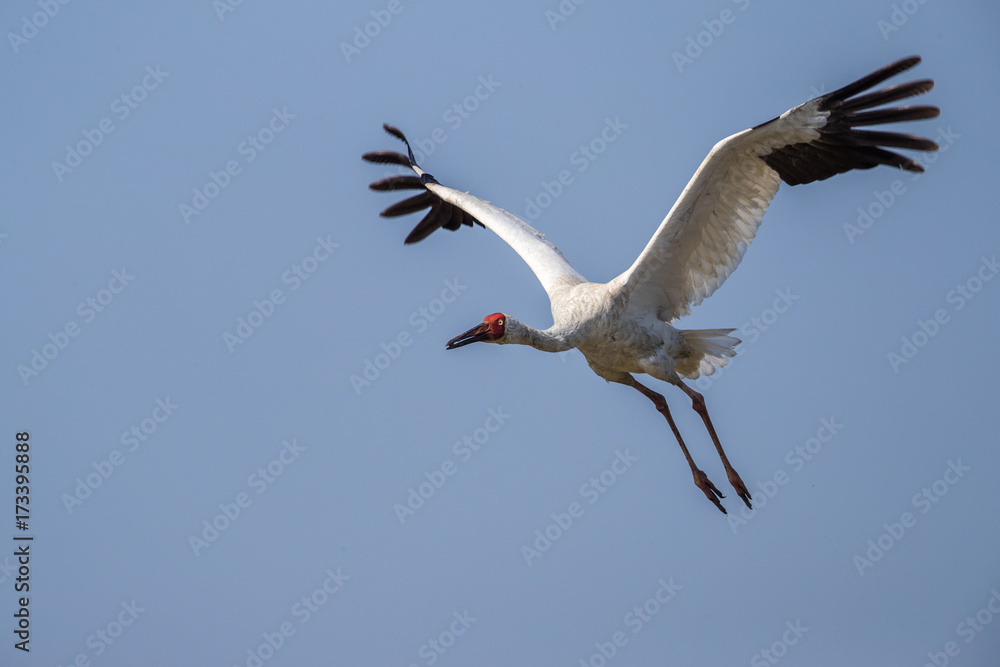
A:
[550, 340]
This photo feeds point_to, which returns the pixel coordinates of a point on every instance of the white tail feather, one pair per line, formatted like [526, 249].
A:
[710, 349]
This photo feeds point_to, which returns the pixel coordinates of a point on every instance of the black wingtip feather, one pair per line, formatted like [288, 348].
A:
[431, 222]
[441, 215]
[841, 147]
[873, 79]
[397, 183]
[394, 131]
[880, 97]
[410, 205]
[386, 157]
[890, 139]
[895, 115]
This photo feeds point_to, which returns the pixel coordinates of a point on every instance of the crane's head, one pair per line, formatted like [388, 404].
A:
[492, 330]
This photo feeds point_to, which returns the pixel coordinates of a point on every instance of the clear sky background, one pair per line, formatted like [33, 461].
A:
[231, 169]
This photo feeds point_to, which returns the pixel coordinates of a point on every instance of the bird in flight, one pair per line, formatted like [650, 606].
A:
[626, 326]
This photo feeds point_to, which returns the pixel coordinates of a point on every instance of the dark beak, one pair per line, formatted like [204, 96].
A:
[478, 333]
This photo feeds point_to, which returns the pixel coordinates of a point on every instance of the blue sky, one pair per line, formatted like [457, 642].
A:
[195, 270]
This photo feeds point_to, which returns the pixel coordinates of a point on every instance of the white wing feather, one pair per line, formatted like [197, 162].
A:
[542, 257]
[703, 237]
[451, 209]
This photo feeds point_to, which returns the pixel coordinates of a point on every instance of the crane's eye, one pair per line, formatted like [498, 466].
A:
[500, 322]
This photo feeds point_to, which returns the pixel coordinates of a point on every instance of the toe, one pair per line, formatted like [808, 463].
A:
[702, 481]
[740, 487]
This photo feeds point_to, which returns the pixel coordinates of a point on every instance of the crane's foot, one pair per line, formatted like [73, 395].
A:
[702, 481]
[741, 489]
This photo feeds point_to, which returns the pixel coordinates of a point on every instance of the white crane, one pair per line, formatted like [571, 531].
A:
[625, 326]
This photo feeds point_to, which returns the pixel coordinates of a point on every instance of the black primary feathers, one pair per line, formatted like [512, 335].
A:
[442, 213]
[840, 147]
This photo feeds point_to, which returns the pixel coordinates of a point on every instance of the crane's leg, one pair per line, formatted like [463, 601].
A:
[698, 403]
[700, 478]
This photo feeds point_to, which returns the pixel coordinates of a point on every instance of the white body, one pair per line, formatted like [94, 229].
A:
[615, 332]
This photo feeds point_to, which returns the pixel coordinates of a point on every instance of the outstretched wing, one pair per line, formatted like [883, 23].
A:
[704, 236]
[451, 209]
